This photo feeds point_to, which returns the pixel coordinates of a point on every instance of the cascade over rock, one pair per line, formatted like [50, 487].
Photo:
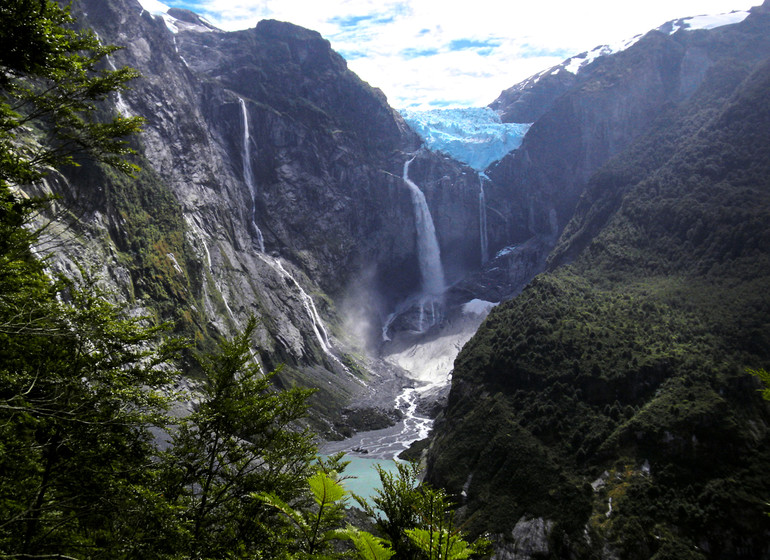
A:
[428, 251]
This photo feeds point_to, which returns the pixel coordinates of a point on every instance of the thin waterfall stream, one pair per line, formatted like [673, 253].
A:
[483, 235]
[248, 175]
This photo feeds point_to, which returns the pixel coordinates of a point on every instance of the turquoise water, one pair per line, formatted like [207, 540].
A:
[366, 481]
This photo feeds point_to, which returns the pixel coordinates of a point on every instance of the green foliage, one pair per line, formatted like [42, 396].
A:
[313, 531]
[79, 384]
[50, 80]
[436, 536]
[394, 507]
[764, 377]
[79, 388]
[438, 544]
[634, 355]
[243, 438]
[368, 546]
[418, 521]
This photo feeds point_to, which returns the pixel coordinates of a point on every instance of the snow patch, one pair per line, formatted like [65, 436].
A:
[154, 7]
[578, 62]
[708, 21]
[478, 307]
[171, 23]
[475, 136]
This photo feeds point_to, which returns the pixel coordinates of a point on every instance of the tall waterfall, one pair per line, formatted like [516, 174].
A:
[248, 176]
[428, 251]
[483, 221]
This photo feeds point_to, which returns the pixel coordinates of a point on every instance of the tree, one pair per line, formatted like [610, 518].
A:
[79, 388]
[435, 534]
[395, 506]
[51, 83]
[244, 438]
[79, 376]
[418, 520]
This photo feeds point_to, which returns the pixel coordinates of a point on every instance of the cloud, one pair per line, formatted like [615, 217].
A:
[428, 53]
[479, 45]
[415, 53]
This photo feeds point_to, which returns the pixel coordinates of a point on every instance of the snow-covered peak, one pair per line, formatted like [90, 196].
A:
[576, 63]
[475, 136]
[175, 25]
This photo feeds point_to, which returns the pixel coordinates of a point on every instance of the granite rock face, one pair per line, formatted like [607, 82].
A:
[283, 172]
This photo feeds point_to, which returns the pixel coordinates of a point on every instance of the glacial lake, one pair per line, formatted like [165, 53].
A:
[364, 479]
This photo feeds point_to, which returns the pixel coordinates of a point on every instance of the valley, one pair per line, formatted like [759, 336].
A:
[561, 296]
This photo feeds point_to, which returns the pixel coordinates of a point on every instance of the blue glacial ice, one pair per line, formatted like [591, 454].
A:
[475, 136]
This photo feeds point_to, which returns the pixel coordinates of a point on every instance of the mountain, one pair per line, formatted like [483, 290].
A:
[607, 411]
[586, 111]
[271, 184]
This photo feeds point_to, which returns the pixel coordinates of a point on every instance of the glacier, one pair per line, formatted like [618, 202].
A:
[473, 135]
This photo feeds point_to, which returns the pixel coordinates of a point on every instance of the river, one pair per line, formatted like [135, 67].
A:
[382, 446]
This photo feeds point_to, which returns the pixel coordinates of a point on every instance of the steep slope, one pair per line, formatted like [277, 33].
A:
[585, 117]
[606, 411]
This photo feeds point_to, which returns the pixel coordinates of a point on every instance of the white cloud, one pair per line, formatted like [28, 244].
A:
[413, 49]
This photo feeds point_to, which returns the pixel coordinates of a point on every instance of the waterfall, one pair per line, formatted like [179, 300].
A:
[176, 49]
[120, 102]
[315, 319]
[308, 304]
[428, 251]
[248, 176]
[483, 221]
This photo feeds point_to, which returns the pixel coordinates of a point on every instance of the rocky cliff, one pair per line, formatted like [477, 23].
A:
[586, 111]
[271, 185]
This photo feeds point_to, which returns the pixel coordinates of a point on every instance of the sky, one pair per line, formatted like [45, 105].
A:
[439, 53]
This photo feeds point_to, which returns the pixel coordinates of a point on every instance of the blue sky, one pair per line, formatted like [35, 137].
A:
[437, 53]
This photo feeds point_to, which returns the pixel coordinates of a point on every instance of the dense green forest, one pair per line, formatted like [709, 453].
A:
[92, 464]
[626, 365]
